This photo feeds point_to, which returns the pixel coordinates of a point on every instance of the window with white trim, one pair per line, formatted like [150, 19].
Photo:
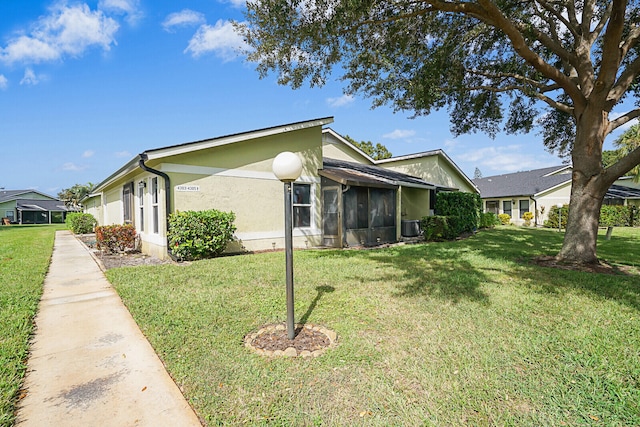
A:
[301, 194]
[154, 205]
[524, 207]
[141, 186]
[127, 203]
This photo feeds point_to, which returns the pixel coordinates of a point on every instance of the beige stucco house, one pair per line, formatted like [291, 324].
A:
[540, 190]
[343, 197]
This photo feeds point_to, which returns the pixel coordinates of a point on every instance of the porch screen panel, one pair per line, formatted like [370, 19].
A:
[356, 208]
[330, 214]
[383, 211]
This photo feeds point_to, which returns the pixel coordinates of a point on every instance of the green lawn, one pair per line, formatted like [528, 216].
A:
[459, 333]
[25, 252]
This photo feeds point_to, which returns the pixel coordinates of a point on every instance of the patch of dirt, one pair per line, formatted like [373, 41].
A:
[600, 268]
[130, 258]
[304, 340]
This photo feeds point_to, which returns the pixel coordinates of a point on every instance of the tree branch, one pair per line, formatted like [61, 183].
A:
[624, 82]
[571, 25]
[622, 120]
[631, 40]
[488, 12]
[622, 166]
[611, 57]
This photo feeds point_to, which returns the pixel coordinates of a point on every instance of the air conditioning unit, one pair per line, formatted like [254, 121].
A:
[410, 228]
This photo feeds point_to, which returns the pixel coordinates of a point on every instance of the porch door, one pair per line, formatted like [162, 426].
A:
[331, 216]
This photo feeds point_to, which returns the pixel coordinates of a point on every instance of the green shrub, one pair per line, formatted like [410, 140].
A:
[552, 221]
[80, 223]
[615, 216]
[466, 207]
[116, 238]
[527, 217]
[437, 227]
[203, 234]
[504, 218]
[488, 220]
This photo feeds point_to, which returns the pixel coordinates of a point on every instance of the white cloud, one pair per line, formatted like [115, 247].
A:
[66, 31]
[238, 3]
[4, 83]
[130, 8]
[123, 154]
[69, 166]
[399, 134]
[341, 101]
[29, 78]
[221, 39]
[88, 153]
[184, 18]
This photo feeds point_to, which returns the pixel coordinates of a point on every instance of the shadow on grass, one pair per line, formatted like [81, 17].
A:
[321, 291]
[456, 271]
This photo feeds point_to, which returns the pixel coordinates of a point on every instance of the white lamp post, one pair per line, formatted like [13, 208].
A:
[287, 167]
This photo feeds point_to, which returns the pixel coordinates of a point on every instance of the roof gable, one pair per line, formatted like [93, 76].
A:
[188, 147]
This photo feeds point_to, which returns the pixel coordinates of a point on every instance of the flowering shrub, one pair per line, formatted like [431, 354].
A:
[527, 217]
[116, 238]
[504, 218]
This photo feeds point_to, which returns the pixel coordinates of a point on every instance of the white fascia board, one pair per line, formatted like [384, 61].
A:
[555, 187]
[124, 170]
[560, 169]
[225, 140]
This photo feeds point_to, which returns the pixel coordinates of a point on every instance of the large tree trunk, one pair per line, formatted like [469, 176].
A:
[589, 184]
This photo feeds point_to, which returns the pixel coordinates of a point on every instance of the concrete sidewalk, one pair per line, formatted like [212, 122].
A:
[90, 364]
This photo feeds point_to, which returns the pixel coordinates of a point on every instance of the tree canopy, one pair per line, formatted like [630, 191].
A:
[376, 152]
[73, 195]
[496, 65]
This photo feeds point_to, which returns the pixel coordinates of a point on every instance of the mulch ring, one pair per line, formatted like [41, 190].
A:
[273, 341]
[601, 267]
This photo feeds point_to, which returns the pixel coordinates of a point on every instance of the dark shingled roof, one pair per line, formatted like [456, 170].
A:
[369, 175]
[525, 183]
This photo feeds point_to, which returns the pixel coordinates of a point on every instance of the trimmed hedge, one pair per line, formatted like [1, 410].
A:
[200, 234]
[610, 216]
[80, 223]
[617, 216]
[116, 238]
[465, 206]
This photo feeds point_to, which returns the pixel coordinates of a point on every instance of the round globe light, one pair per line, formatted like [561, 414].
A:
[287, 166]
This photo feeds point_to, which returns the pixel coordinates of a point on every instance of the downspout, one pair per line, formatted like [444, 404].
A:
[167, 196]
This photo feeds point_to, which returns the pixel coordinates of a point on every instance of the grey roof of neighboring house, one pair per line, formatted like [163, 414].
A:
[527, 183]
[353, 173]
[41, 205]
[6, 195]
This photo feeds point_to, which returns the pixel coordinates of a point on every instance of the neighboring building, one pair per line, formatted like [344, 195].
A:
[540, 190]
[31, 207]
[343, 197]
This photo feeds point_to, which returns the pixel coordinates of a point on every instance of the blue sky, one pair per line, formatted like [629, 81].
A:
[87, 85]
